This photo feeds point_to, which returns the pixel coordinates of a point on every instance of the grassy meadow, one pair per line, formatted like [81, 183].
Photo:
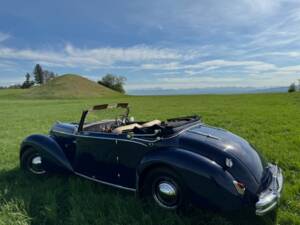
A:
[270, 121]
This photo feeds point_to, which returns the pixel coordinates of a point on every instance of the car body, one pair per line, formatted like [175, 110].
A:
[176, 161]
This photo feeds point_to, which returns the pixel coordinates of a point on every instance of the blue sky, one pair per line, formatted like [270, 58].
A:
[155, 44]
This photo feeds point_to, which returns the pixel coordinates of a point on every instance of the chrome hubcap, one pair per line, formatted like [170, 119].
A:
[167, 189]
[36, 166]
[37, 160]
[166, 194]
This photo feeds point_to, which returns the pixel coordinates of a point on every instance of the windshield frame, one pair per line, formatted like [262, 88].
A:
[124, 106]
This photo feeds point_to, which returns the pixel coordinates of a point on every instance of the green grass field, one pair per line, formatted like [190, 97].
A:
[270, 121]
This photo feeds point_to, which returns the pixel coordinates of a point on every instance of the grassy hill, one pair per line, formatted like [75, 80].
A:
[69, 86]
[269, 121]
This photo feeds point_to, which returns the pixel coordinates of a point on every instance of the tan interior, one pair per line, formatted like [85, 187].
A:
[151, 123]
[119, 130]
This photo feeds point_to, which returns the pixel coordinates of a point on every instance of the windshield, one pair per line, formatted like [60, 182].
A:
[98, 113]
[107, 114]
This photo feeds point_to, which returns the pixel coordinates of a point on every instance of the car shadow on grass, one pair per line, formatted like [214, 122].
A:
[63, 199]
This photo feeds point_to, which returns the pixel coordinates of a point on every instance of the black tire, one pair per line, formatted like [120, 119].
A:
[164, 187]
[32, 161]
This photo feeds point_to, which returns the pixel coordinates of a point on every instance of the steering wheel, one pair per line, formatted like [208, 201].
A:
[121, 120]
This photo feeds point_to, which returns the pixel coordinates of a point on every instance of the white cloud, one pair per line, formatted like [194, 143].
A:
[278, 32]
[4, 36]
[259, 65]
[135, 53]
[97, 57]
[209, 80]
[290, 54]
[162, 66]
[262, 6]
[211, 65]
[189, 82]
[211, 12]
[249, 74]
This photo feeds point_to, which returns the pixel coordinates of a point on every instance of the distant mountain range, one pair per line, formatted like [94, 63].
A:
[215, 90]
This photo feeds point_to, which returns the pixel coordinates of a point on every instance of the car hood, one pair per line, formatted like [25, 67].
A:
[208, 140]
[66, 128]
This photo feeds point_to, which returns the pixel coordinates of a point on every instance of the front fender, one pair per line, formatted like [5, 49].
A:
[201, 175]
[49, 148]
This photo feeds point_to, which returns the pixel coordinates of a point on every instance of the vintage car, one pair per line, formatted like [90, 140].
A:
[175, 162]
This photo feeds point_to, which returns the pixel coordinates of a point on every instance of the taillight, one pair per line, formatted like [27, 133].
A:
[240, 187]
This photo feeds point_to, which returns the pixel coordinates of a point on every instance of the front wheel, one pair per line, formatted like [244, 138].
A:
[165, 187]
[32, 161]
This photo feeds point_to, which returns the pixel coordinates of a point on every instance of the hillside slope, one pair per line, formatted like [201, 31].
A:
[69, 86]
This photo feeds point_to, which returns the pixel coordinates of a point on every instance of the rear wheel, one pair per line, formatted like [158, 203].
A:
[32, 161]
[164, 187]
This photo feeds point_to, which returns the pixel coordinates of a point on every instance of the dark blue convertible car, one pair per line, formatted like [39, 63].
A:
[176, 162]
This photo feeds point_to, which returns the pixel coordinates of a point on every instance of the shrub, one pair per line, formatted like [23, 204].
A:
[113, 82]
[292, 88]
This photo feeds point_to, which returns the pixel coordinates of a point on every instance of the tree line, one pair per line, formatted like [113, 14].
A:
[40, 76]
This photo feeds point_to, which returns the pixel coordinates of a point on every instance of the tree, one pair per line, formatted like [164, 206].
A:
[38, 74]
[48, 75]
[42, 76]
[292, 87]
[113, 82]
[27, 83]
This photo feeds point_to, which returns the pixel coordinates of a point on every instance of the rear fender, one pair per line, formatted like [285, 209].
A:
[50, 150]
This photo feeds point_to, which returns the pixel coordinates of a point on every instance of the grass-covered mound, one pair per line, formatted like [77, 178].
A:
[69, 86]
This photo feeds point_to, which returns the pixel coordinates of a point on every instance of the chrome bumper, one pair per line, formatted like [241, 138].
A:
[269, 198]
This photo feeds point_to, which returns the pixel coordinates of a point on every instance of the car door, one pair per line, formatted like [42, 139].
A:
[96, 156]
[129, 153]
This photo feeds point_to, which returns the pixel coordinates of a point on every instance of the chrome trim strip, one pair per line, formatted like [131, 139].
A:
[138, 139]
[184, 130]
[118, 139]
[204, 134]
[106, 183]
[149, 141]
[266, 210]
